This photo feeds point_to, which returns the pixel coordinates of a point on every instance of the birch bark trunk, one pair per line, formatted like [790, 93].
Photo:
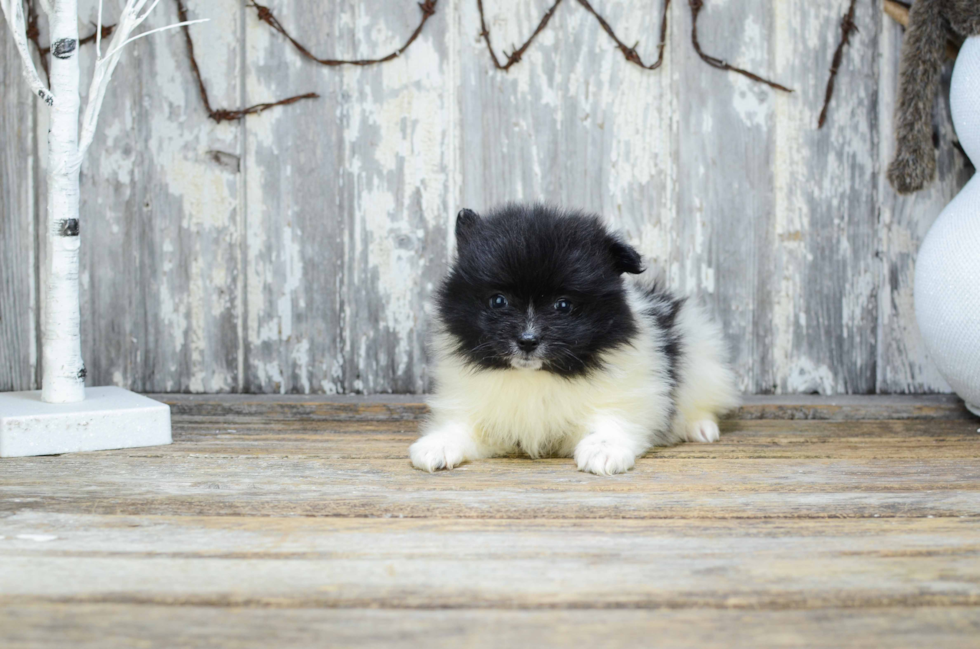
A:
[63, 378]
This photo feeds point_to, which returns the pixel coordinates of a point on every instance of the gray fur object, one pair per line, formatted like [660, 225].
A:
[923, 52]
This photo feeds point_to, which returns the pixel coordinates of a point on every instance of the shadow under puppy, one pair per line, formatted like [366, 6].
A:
[541, 347]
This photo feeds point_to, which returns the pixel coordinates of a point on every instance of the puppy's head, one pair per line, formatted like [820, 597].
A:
[534, 288]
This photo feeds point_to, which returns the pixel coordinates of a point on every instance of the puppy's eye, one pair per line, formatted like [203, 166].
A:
[498, 301]
[563, 306]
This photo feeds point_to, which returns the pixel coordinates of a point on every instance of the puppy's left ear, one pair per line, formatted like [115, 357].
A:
[625, 258]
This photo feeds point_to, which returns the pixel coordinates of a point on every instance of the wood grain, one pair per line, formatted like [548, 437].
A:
[723, 231]
[761, 469]
[258, 529]
[410, 408]
[18, 352]
[492, 564]
[823, 251]
[111, 626]
[756, 440]
[349, 200]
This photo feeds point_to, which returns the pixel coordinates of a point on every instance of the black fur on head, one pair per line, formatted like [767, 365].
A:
[534, 287]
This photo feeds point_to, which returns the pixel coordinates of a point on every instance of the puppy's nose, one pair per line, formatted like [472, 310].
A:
[527, 341]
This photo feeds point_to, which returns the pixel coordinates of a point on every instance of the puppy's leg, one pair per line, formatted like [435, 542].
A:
[446, 446]
[611, 447]
[704, 429]
[707, 386]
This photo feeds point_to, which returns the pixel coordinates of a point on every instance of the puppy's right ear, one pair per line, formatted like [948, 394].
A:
[625, 257]
[466, 221]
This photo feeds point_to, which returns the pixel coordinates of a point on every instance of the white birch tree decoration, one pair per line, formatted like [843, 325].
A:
[59, 418]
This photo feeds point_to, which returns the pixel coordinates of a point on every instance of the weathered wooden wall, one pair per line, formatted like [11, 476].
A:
[18, 338]
[296, 251]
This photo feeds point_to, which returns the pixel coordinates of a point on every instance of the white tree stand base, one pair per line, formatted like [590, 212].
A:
[108, 418]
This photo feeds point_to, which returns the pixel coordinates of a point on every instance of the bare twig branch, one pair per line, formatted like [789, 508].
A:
[154, 31]
[696, 7]
[98, 34]
[224, 114]
[265, 14]
[847, 27]
[14, 12]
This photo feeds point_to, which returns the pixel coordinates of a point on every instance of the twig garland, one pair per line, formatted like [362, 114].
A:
[517, 52]
[630, 52]
[847, 27]
[265, 14]
[428, 9]
[696, 7]
[226, 114]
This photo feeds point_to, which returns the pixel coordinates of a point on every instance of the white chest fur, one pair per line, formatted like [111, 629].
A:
[542, 414]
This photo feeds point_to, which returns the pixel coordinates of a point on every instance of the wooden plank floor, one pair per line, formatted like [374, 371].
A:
[296, 521]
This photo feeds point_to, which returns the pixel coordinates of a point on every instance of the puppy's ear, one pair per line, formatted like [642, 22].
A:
[466, 221]
[625, 258]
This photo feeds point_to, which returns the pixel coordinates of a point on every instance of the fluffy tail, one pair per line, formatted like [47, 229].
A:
[923, 50]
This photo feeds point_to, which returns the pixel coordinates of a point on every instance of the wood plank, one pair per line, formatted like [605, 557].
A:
[852, 407]
[108, 626]
[294, 268]
[350, 198]
[754, 439]
[262, 485]
[724, 229]
[776, 565]
[903, 365]
[18, 350]
[411, 407]
[822, 254]
[399, 190]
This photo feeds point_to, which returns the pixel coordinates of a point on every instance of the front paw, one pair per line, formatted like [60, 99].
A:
[704, 431]
[434, 452]
[603, 456]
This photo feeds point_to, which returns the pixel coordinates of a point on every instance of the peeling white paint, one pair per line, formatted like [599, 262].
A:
[410, 142]
[804, 376]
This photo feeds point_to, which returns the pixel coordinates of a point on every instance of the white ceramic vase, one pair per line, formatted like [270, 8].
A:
[947, 272]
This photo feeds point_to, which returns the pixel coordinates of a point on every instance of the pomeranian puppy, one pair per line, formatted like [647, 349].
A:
[542, 347]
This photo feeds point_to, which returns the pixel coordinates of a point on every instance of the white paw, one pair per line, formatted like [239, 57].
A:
[703, 431]
[434, 452]
[602, 456]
